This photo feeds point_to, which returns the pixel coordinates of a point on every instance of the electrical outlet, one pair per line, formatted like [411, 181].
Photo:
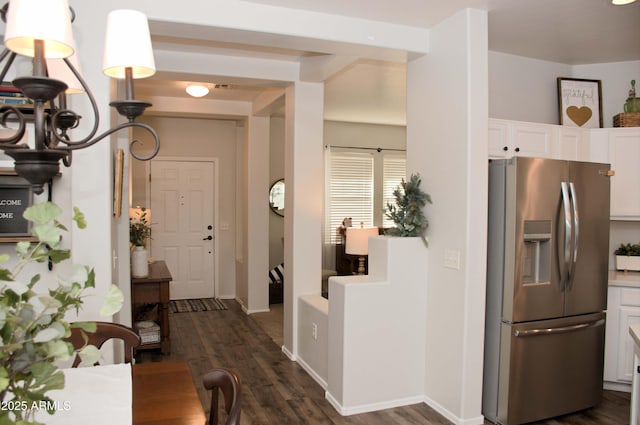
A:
[314, 331]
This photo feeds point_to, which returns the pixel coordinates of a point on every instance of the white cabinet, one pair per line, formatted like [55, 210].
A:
[623, 311]
[514, 138]
[624, 155]
[568, 143]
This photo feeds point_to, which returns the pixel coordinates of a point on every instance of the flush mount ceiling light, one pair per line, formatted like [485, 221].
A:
[41, 29]
[197, 90]
[621, 2]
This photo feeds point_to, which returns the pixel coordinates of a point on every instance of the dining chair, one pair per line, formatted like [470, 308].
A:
[104, 332]
[229, 384]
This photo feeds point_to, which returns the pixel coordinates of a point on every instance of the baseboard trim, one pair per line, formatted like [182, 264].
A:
[479, 420]
[617, 386]
[316, 377]
[289, 354]
[373, 407]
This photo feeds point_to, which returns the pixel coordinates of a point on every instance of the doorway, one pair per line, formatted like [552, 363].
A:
[183, 215]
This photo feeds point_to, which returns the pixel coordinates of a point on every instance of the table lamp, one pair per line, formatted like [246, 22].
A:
[358, 243]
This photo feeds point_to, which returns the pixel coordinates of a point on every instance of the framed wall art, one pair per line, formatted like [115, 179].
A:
[118, 171]
[580, 102]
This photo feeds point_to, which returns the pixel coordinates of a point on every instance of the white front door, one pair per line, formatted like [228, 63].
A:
[182, 217]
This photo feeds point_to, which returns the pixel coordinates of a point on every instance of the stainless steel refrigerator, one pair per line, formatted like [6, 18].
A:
[548, 245]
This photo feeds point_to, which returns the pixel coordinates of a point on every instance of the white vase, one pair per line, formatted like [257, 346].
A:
[139, 262]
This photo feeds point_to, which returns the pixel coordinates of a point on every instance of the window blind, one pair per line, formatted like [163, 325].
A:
[349, 191]
[394, 169]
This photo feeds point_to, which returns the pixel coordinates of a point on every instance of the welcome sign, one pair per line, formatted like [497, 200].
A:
[14, 199]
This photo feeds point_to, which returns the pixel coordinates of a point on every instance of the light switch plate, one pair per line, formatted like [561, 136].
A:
[452, 259]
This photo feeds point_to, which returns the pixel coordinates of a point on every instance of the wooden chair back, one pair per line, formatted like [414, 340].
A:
[104, 332]
[229, 384]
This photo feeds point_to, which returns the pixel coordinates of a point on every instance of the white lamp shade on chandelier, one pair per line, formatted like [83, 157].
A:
[48, 20]
[60, 71]
[358, 240]
[128, 44]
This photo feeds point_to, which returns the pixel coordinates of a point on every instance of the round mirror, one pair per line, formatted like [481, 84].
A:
[276, 197]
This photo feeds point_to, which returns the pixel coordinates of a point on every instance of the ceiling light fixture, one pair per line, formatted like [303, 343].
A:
[621, 2]
[42, 29]
[197, 90]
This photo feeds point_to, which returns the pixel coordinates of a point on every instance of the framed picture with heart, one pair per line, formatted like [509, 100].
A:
[580, 102]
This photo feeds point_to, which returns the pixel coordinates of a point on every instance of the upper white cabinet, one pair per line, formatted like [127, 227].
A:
[619, 147]
[514, 138]
[624, 156]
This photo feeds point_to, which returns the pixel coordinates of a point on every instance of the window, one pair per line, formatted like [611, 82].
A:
[359, 183]
[394, 170]
[349, 190]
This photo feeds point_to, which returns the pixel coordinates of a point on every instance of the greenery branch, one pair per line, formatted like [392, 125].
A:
[139, 229]
[33, 328]
[407, 213]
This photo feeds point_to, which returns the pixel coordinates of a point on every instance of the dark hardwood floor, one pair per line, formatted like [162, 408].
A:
[278, 391]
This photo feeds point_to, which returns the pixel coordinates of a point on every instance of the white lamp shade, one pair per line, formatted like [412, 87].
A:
[58, 69]
[197, 90]
[358, 240]
[47, 20]
[128, 45]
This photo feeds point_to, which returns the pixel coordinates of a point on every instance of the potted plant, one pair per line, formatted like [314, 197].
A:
[407, 213]
[139, 233]
[628, 257]
[33, 311]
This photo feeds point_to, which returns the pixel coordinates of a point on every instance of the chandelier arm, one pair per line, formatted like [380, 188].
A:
[66, 112]
[73, 146]
[5, 69]
[5, 112]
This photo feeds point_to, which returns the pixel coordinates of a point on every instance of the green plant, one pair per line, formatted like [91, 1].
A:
[32, 317]
[628, 250]
[139, 229]
[407, 213]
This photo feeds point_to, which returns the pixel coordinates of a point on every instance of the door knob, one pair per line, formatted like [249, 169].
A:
[208, 238]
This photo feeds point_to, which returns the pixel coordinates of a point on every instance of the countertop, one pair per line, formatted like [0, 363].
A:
[628, 279]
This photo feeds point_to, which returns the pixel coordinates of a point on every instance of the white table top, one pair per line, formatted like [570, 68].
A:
[100, 395]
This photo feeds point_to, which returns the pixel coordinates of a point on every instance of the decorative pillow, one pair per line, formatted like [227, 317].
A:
[276, 274]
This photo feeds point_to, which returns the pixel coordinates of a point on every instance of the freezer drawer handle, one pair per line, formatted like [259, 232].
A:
[564, 329]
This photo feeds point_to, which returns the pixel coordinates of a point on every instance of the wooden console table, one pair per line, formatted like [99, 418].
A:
[154, 289]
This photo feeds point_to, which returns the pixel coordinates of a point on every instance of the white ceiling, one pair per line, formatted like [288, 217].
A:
[565, 31]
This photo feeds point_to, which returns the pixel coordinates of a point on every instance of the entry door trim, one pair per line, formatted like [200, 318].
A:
[216, 192]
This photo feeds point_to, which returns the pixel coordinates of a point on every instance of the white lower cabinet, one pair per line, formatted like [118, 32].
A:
[623, 310]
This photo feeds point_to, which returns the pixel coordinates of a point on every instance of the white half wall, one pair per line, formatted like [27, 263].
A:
[377, 328]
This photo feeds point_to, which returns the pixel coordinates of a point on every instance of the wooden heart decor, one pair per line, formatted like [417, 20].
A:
[580, 116]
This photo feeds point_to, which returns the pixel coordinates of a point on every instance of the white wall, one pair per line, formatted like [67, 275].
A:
[206, 138]
[337, 133]
[525, 89]
[447, 117]
[616, 82]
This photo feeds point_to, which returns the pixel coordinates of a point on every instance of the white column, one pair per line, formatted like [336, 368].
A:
[447, 118]
[257, 236]
[303, 201]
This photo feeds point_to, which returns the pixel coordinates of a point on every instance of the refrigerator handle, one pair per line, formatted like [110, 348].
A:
[576, 234]
[564, 329]
[566, 201]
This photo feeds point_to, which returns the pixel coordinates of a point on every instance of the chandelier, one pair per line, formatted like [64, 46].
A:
[41, 29]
